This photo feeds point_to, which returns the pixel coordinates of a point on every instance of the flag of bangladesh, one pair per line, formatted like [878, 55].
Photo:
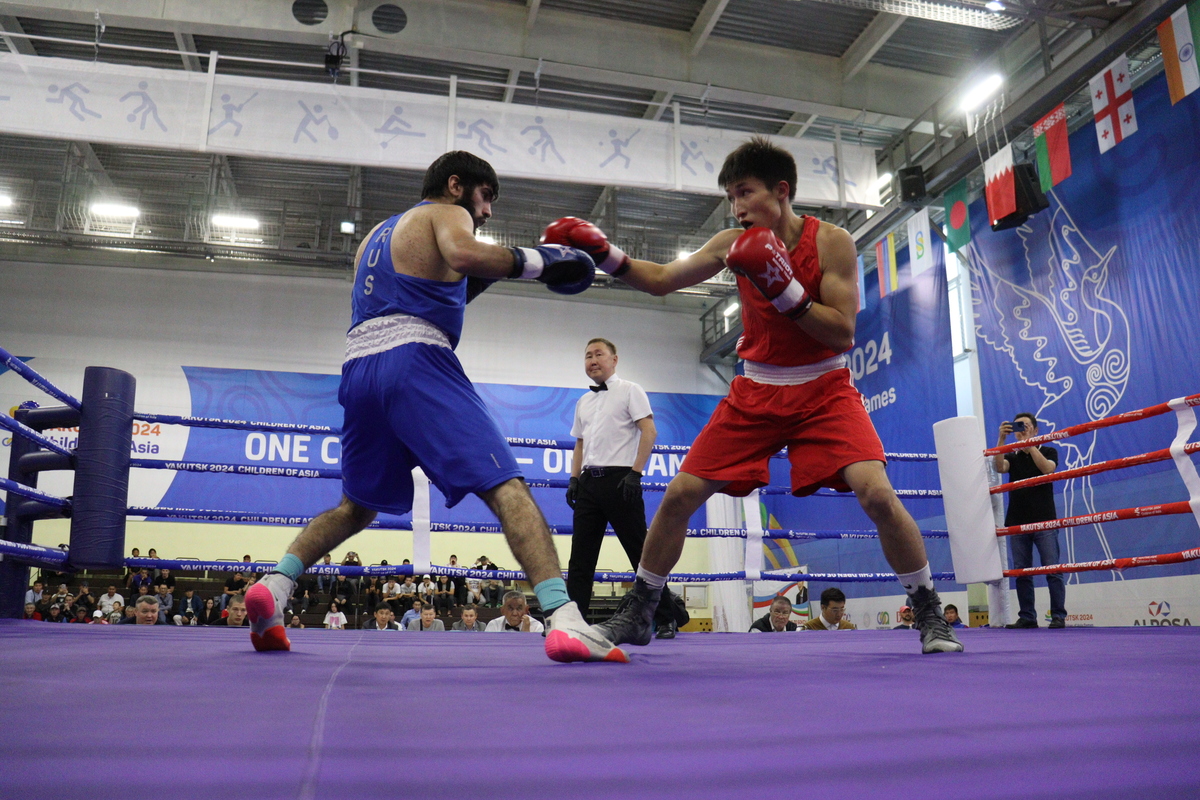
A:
[1053, 149]
[958, 219]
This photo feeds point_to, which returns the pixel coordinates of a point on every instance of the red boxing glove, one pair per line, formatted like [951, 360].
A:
[582, 234]
[762, 258]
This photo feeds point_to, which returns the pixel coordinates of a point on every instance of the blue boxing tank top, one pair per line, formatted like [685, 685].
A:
[380, 291]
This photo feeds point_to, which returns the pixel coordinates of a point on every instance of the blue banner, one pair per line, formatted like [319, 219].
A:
[1089, 310]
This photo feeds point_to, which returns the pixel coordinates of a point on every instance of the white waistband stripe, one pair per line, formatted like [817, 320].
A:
[384, 333]
[773, 375]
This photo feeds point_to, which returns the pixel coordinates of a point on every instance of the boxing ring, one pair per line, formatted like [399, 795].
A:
[1068, 714]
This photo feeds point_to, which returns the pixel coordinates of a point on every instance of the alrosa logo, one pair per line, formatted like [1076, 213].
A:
[1160, 609]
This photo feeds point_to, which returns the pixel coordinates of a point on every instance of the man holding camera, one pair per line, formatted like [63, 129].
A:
[1025, 506]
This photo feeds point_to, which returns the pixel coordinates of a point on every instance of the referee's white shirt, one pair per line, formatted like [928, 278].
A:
[606, 421]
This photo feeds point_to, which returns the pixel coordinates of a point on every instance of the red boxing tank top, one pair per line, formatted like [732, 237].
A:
[770, 337]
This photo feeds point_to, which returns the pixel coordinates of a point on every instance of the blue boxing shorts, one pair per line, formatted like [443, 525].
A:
[411, 405]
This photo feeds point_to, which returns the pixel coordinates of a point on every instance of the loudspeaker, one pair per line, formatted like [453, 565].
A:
[912, 185]
[1030, 198]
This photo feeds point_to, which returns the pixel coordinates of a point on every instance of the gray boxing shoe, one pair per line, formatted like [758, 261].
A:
[936, 634]
[633, 623]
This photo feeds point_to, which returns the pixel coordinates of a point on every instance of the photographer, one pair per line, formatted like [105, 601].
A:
[1025, 506]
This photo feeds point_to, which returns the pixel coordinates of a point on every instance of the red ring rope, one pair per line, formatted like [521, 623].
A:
[1182, 507]
[1108, 563]
[1084, 427]
[1092, 469]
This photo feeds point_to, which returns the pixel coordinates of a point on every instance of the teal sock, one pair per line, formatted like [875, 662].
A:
[551, 593]
[291, 566]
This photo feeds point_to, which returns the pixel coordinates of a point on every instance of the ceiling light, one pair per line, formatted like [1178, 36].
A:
[883, 181]
[114, 210]
[484, 238]
[994, 5]
[348, 228]
[237, 223]
[983, 90]
[5, 201]
[731, 309]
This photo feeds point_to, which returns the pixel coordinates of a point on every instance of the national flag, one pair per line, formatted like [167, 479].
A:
[958, 218]
[862, 284]
[1178, 36]
[920, 246]
[1112, 103]
[1000, 188]
[1053, 148]
[885, 257]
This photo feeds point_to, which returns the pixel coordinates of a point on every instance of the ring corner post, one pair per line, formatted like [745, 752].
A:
[101, 491]
[962, 467]
[14, 576]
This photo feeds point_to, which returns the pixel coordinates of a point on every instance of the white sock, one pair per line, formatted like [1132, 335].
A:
[652, 580]
[911, 581]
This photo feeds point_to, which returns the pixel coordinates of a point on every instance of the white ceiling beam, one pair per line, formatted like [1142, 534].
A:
[187, 51]
[702, 28]
[531, 16]
[15, 44]
[92, 166]
[487, 33]
[658, 104]
[874, 36]
[601, 205]
[798, 125]
[513, 76]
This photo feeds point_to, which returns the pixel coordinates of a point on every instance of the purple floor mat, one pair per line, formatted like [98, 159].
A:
[95, 712]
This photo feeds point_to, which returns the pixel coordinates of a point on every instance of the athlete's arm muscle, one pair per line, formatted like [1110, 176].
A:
[831, 321]
[455, 236]
[661, 279]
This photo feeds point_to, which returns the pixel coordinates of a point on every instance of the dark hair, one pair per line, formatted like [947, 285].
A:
[1030, 417]
[782, 600]
[950, 606]
[760, 158]
[832, 595]
[470, 607]
[471, 170]
[612, 348]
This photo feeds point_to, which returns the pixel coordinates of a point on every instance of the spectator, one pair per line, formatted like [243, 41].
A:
[165, 576]
[152, 553]
[382, 620]
[235, 613]
[246, 559]
[130, 611]
[411, 614]
[470, 620]
[166, 602]
[187, 618]
[212, 612]
[56, 614]
[145, 612]
[777, 619]
[295, 623]
[234, 587]
[426, 591]
[191, 602]
[139, 579]
[408, 592]
[951, 612]
[323, 579]
[98, 618]
[62, 597]
[106, 601]
[833, 607]
[117, 614]
[515, 616]
[460, 585]
[34, 595]
[31, 612]
[390, 593]
[474, 587]
[352, 560]
[143, 591]
[905, 615]
[443, 595]
[427, 622]
[81, 616]
[372, 593]
[1025, 506]
[129, 571]
[335, 619]
[344, 592]
[84, 599]
[304, 593]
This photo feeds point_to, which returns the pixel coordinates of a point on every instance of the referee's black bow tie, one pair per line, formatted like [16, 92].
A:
[603, 387]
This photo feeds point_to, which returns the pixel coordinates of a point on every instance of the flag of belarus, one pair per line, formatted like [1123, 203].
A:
[1178, 36]
[1112, 103]
[1053, 148]
[1000, 188]
[958, 218]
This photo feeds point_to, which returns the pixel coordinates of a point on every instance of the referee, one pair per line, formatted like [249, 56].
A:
[614, 433]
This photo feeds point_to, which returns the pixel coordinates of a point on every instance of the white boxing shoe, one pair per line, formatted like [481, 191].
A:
[569, 638]
[265, 602]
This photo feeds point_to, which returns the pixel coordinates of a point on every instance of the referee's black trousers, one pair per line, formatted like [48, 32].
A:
[599, 505]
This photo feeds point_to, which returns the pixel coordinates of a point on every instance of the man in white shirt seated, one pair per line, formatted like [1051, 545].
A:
[382, 620]
[515, 617]
[106, 600]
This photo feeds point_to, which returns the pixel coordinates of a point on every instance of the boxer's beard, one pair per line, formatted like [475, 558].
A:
[467, 203]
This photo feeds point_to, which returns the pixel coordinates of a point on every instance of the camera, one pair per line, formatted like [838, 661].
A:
[1019, 426]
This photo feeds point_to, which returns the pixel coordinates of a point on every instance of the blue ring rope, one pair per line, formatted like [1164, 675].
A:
[21, 429]
[33, 494]
[30, 374]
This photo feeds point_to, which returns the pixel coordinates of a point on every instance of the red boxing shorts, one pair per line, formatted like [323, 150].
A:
[822, 423]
